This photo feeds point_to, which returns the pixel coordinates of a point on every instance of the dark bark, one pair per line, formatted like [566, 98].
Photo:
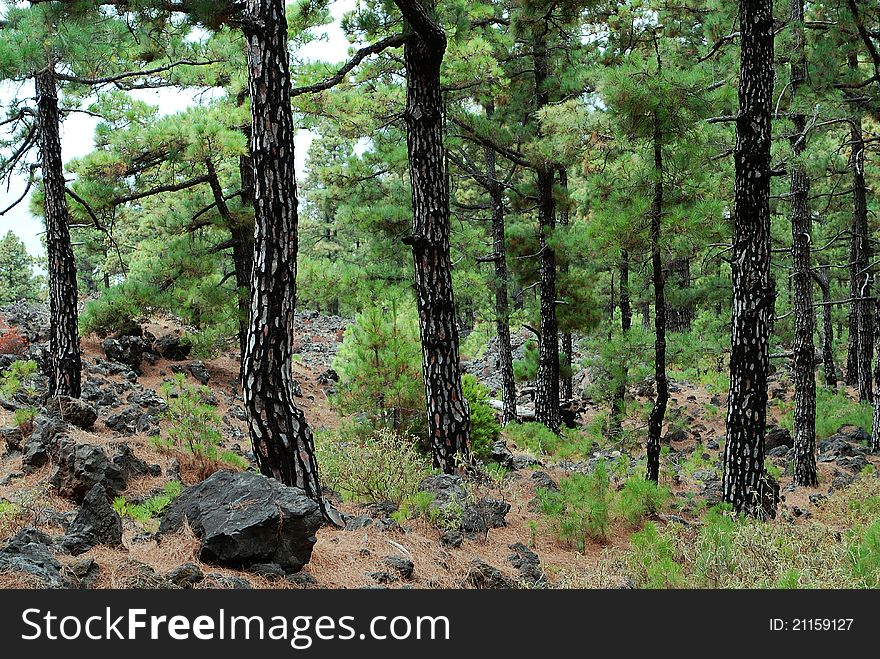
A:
[680, 314]
[547, 377]
[566, 391]
[502, 304]
[875, 421]
[745, 485]
[804, 374]
[447, 410]
[658, 411]
[618, 401]
[65, 361]
[282, 439]
[645, 312]
[860, 347]
[824, 281]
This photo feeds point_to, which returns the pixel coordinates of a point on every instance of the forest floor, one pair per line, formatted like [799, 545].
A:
[353, 558]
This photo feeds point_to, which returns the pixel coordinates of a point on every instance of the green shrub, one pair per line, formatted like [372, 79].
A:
[385, 466]
[580, 509]
[485, 428]
[651, 562]
[525, 369]
[380, 370]
[116, 310]
[539, 440]
[194, 426]
[24, 419]
[19, 377]
[640, 498]
[148, 510]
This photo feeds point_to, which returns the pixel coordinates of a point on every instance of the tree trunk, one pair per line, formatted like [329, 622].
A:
[801, 231]
[658, 411]
[860, 346]
[618, 401]
[681, 314]
[502, 305]
[823, 278]
[65, 370]
[745, 485]
[875, 421]
[547, 377]
[447, 410]
[566, 391]
[282, 440]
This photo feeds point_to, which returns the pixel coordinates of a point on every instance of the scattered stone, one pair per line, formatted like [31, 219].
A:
[96, 523]
[199, 371]
[403, 566]
[82, 574]
[246, 518]
[501, 454]
[13, 438]
[541, 479]
[130, 420]
[483, 515]
[28, 551]
[482, 575]
[127, 350]
[451, 539]
[301, 578]
[712, 444]
[382, 577]
[358, 523]
[448, 490]
[527, 563]
[132, 466]
[82, 466]
[171, 347]
[186, 575]
[778, 451]
[777, 436]
[216, 580]
[268, 570]
[675, 435]
[42, 443]
[72, 410]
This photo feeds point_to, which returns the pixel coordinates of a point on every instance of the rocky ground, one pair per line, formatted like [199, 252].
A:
[236, 529]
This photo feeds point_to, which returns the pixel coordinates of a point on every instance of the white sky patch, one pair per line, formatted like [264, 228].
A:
[78, 130]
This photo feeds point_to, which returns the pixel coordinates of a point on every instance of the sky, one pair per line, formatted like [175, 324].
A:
[78, 129]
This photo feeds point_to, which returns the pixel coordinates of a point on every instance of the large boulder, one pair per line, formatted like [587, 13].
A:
[29, 552]
[72, 410]
[79, 467]
[243, 519]
[96, 523]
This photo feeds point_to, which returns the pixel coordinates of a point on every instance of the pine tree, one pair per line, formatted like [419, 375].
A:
[17, 279]
[745, 483]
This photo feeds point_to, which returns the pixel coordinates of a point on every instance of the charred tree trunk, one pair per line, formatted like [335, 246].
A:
[801, 231]
[875, 421]
[823, 279]
[547, 377]
[681, 313]
[860, 346]
[447, 410]
[745, 484]
[282, 440]
[502, 305]
[65, 371]
[566, 391]
[658, 411]
[618, 401]
[645, 311]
